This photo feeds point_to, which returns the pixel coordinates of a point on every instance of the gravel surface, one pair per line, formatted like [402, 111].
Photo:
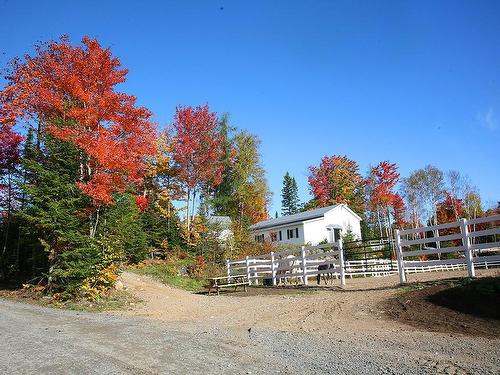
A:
[41, 340]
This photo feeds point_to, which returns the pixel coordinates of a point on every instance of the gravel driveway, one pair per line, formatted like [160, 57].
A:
[40, 340]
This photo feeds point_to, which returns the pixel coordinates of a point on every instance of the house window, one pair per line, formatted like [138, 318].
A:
[274, 236]
[289, 233]
[281, 237]
[297, 232]
[336, 234]
[259, 238]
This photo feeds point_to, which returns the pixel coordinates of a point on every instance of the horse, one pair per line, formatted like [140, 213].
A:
[327, 275]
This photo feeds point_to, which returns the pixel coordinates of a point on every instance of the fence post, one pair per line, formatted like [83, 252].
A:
[467, 249]
[304, 268]
[341, 262]
[438, 243]
[273, 268]
[399, 254]
[228, 268]
[248, 269]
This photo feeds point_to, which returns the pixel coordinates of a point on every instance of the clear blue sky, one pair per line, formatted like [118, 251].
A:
[414, 82]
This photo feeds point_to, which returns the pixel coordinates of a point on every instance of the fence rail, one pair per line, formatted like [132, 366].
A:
[465, 242]
[469, 239]
[299, 264]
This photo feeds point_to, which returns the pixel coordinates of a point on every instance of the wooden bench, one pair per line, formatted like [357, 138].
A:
[218, 283]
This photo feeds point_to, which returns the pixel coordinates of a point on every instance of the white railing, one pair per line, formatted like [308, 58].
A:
[299, 264]
[468, 246]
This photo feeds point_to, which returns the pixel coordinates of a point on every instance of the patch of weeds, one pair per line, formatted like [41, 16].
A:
[167, 274]
[113, 300]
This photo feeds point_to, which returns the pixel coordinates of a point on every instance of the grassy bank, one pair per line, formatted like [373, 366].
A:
[173, 273]
[114, 300]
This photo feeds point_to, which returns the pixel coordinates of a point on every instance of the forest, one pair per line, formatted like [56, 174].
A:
[89, 183]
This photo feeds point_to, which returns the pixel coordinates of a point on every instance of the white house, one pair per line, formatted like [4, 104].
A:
[310, 227]
[220, 227]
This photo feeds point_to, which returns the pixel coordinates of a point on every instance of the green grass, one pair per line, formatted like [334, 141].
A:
[167, 274]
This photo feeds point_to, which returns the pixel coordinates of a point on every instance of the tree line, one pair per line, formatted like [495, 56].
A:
[88, 182]
[428, 196]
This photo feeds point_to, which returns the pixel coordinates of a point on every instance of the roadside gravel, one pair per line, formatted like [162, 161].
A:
[40, 340]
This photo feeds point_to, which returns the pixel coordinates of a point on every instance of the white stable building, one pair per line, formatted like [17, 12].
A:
[308, 228]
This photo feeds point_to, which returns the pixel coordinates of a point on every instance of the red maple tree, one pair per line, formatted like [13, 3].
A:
[70, 92]
[450, 209]
[337, 180]
[9, 149]
[382, 197]
[198, 150]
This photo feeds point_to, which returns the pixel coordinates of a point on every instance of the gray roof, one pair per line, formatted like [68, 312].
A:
[221, 221]
[301, 216]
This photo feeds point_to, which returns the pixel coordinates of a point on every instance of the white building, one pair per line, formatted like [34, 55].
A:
[308, 228]
[220, 227]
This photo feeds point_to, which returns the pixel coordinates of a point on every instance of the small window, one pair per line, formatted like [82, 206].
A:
[296, 232]
[274, 236]
[336, 234]
[281, 237]
[259, 238]
[289, 233]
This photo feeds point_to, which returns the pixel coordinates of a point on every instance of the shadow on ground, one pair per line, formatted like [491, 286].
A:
[458, 305]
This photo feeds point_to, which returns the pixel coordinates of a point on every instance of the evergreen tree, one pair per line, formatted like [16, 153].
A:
[289, 196]
[223, 194]
[160, 233]
[123, 230]
[54, 212]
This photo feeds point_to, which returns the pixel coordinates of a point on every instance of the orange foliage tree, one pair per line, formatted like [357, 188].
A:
[70, 93]
[381, 195]
[197, 152]
[337, 180]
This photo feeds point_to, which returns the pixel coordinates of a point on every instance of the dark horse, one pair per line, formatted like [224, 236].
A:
[326, 276]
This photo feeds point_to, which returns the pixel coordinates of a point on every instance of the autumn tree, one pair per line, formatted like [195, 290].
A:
[289, 196]
[472, 204]
[9, 162]
[450, 209]
[162, 184]
[337, 180]
[70, 92]
[251, 191]
[197, 152]
[88, 145]
[382, 198]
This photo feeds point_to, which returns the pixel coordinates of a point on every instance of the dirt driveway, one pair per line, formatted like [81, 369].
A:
[176, 332]
[363, 305]
[353, 323]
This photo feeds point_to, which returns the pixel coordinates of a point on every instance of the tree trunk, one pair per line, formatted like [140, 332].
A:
[9, 207]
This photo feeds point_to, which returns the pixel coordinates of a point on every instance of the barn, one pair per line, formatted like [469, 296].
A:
[308, 228]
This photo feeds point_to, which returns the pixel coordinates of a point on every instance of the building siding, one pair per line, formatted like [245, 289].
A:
[314, 231]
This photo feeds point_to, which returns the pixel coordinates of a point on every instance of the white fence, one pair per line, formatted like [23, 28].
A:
[299, 264]
[469, 247]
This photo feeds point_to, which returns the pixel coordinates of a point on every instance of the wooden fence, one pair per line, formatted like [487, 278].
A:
[465, 238]
[299, 264]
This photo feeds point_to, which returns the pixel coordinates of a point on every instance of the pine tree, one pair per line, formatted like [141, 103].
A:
[54, 210]
[289, 196]
[223, 194]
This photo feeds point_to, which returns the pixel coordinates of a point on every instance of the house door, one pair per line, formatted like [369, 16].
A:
[333, 234]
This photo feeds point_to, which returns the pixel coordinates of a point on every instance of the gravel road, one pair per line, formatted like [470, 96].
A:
[40, 340]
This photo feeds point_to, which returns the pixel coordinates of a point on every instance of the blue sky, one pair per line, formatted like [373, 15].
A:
[414, 82]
